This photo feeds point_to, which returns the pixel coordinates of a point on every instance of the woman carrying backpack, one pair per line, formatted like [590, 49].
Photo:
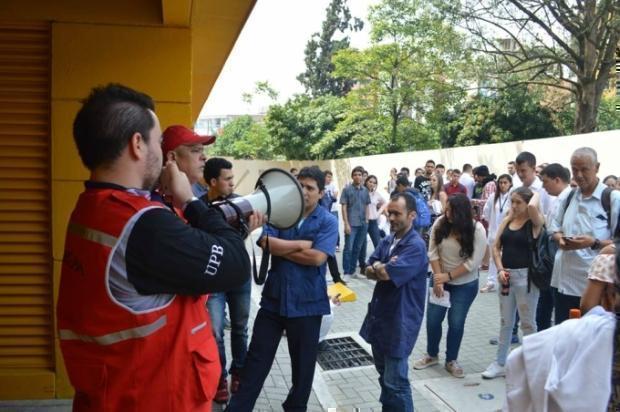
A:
[457, 245]
[512, 252]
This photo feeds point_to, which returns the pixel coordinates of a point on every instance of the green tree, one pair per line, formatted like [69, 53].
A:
[243, 138]
[555, 43]
[413, 66]
[318, 79]
[513, 114]
[301, 122]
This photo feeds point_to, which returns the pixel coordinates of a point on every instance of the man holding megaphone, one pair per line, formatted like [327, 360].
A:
[294, 298]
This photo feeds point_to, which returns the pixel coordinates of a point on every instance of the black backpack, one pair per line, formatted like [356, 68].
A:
[542, 251]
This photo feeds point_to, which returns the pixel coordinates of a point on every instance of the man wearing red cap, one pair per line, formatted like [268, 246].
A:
[186, 147]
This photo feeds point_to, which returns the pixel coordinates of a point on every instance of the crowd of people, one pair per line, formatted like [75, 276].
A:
[162, 267]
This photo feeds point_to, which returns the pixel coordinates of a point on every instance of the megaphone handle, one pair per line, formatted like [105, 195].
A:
[261, 276]
[262, 187]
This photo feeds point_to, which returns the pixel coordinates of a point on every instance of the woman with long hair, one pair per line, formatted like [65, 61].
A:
[374, 208]
[439, 198]
[456, 248]
[513, 256]
[494, 212]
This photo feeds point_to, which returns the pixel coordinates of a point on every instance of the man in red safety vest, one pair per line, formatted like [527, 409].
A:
[132, 323]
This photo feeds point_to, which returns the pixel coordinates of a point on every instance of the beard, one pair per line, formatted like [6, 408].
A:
[153, 171]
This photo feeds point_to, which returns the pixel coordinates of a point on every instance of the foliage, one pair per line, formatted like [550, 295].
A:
[318, 79]
[559, 44]
[243, 138]
[513, 114]
[301, 122]
[412, 67]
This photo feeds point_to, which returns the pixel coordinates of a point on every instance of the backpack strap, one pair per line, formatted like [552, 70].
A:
[567, 202]
[606, 202]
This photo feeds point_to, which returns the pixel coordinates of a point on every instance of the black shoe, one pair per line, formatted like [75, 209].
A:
[324, 346]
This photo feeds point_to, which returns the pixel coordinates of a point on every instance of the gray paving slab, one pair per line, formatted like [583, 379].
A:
[359, 388]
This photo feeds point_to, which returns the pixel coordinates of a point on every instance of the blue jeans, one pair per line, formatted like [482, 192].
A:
[461, 298]
[395, 388]
[518, 299]
[239, 306]
[352, 246]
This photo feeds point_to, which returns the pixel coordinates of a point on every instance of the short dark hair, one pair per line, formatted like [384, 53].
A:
[512, 162]
[409, 200]
[357, 169]
[526, 157]
[430, 161]
[403, 181]
[313, 172]
[293, 170]
[328, 173]
[406, 169]
[438, 165]
[466, 167]
[213, 168]
[109, 117]
[456, 171]
[556, 170]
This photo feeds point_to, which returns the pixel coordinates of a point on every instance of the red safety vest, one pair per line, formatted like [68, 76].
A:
[162, 359]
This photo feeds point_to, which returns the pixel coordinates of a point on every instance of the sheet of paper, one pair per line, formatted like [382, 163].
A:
[442, 301]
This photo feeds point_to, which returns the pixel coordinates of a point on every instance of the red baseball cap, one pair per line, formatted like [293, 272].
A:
[177, 135]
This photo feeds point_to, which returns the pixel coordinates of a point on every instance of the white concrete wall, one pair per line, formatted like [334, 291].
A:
[495, 156]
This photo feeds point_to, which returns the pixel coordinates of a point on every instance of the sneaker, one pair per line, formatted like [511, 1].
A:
[324, 346]
[495, 370]
[346, 277]
[235, 380]
[425, 362]
[489, 287]
[222, 395]
[455, 369]
[513, 341]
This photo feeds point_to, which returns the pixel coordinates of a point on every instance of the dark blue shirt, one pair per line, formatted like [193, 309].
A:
[356, 198]
[396, 310]
[294, 290]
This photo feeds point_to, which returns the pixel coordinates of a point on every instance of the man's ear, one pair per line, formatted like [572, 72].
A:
[136, 146]
[321, 194]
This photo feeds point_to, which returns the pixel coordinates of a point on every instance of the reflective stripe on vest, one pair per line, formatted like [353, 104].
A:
[115, 337]
[92, 234]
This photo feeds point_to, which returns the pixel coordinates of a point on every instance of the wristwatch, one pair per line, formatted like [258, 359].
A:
[596, 245]
[194, 198]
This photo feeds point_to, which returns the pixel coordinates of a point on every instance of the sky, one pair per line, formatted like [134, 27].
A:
[271, 48]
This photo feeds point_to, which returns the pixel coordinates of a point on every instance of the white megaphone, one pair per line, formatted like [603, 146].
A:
[278, 195]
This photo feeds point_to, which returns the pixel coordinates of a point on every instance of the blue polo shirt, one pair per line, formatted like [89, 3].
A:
[356, 198]
[396, 310]
[294, 290]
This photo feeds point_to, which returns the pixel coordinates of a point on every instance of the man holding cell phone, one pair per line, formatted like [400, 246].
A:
[585, 226]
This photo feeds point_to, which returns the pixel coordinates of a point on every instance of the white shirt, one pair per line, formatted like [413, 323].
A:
[564, 368]
[556, 202]
[332, 190]
[516, 182]
[494, 213]
[544, 197]
[376, 201]
[584, 216]
[469, 183]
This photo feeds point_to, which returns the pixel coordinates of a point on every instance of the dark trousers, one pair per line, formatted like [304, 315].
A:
[302, 335]
[563, 304]
[332, 263]
[544, 310]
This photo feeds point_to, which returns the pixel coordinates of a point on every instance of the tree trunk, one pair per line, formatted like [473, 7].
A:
[587, 108]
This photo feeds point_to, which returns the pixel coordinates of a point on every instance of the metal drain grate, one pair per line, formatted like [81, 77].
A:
[343, 353]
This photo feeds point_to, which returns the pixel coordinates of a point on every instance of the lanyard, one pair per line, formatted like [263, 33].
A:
[502, 204]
